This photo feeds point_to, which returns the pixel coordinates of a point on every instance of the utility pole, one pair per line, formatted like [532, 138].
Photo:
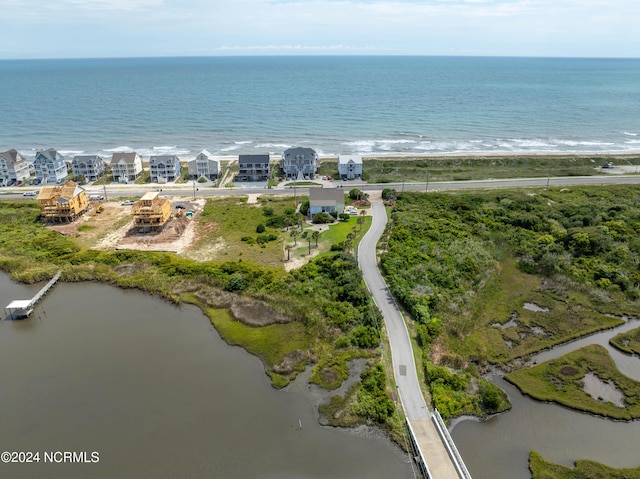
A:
[194, 188]
[104, 187]
[426, 188]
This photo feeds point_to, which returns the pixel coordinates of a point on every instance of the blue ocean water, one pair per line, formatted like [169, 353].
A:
[234, 105]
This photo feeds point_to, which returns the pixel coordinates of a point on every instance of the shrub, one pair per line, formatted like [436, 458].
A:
[322, 218]
[260, 228]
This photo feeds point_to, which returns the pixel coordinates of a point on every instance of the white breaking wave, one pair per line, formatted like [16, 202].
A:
[628, 133]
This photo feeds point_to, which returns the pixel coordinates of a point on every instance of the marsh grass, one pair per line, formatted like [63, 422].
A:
[542, 469]
[560, 381]
[628, 342]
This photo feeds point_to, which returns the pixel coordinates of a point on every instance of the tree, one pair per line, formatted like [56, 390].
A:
[315, 235]
[361, 218]
[294, 234]
[288, 248]
[309, 240]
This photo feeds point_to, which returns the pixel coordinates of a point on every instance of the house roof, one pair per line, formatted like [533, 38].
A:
[323, 196]
[252, 159]
[149, 196]
[50, 154]
[87, 158]
[67, 191]
[300, 152]
[12, 156]
[344, 159]
[205, 153]
[165, 158]
[126, 157]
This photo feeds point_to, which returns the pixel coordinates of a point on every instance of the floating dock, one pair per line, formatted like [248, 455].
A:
[22, 308]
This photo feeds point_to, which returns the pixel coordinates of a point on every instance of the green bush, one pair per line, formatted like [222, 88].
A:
[322, 218]
[260, 228]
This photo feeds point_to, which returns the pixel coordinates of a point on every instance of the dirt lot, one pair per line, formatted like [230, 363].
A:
[113, 228]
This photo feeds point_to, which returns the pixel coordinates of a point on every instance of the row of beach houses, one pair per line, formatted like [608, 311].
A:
[51, 167]
[67, 202]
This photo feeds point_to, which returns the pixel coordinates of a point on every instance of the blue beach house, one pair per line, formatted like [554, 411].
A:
[326, 200]
[164, 168]
[51, 167]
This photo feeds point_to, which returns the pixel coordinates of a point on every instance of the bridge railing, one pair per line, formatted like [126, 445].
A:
[422, 463]
[447, 440]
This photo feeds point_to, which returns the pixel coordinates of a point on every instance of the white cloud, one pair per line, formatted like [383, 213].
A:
[492, 27]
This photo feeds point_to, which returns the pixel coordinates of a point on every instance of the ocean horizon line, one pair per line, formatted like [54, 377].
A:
[322, 54]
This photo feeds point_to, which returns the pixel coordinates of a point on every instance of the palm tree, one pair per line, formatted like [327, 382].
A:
[361, 218]
[315, 235]
[288, 248]
[294, 234]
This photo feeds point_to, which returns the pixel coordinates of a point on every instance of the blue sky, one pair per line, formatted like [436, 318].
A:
[126, 28]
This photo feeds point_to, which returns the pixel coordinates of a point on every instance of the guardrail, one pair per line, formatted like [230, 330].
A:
[422, 464]
[447, 440]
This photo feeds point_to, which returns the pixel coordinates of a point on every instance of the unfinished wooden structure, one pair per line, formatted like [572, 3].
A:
[62, 204]
[151, 212]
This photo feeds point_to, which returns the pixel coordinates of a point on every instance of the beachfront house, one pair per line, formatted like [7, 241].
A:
[204, 165]
[164, 168]
[326, 200]
[50, 166]
[151, 212]
[299, 163]
[253, 168]
[62, 204]
[126, 167]
[89, 166]
[13, 167]
[350, 166]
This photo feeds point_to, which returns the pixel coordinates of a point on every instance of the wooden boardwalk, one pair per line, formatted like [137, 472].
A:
[22, 308]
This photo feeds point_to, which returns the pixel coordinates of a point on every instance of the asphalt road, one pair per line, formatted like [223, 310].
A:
[405, 373]
[185, 189]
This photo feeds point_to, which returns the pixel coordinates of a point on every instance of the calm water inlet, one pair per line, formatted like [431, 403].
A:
[155, 391]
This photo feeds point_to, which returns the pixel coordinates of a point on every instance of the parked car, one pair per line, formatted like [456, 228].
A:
[30, 193]
[127, 203]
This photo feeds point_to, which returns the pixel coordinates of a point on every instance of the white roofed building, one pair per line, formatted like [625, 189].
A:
[350, 166]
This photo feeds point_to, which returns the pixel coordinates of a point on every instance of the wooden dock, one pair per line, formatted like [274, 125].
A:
[22, 308]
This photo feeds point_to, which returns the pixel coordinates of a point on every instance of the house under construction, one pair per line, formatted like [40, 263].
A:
[62, 204]
[151, 212]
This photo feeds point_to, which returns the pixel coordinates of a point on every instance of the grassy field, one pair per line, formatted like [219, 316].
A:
[561, 381]
[628, 342]
[458, 168]
[542, 469]
[227, 229]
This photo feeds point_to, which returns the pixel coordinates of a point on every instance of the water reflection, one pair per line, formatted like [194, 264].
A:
[155, 391]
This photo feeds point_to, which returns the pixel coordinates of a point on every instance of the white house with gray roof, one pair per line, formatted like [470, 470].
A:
[126, 167]
[13, 167]
[350, 166]
[89, 166]
[298, 163]
[51, 167]
[204, 165]
[164, 168]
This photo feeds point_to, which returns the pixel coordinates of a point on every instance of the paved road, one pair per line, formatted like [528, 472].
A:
[186, 189]
[401, 351]
[431, 445]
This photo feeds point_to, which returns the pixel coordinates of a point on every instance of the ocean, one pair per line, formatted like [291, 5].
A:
[336, 105]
